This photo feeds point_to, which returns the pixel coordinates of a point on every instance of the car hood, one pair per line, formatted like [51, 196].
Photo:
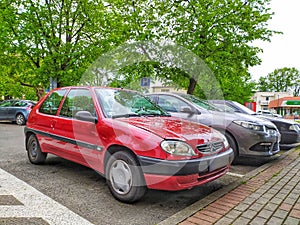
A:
[276, 119]
[172, 128]
[243, 117]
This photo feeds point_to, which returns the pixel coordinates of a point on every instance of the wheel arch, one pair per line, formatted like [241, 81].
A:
[235, 141]
[115, 148]
[27, 135]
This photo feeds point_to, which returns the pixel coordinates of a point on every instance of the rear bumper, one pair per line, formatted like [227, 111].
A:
[184, 174]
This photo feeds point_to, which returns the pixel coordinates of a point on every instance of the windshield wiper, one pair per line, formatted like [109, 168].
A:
[154, 114]
[125, 115]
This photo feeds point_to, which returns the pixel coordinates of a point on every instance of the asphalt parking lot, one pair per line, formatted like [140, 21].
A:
[85, 192]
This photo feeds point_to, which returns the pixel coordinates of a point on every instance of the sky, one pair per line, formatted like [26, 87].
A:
[284, 49]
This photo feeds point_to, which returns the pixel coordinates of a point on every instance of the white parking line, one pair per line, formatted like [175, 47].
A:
[36, 204]
[235, 174]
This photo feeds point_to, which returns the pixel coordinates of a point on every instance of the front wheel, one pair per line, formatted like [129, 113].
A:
[35, 155]
[233, 145]
[124, 177]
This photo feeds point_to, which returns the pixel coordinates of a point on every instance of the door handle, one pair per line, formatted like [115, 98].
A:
[52, 125]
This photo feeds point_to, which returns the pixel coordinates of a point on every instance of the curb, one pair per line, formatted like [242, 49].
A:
[199, 205]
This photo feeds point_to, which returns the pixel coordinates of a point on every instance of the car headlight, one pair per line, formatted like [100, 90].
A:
[177, 148]
[250, 125]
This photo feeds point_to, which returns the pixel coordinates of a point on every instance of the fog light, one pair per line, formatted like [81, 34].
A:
[262, 147]
[266, 144]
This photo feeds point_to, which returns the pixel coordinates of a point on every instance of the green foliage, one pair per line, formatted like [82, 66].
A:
[281, 80]
[60, 39]
[218, 32]
[57, 39]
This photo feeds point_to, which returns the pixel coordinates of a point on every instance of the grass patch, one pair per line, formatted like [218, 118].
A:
[243, 182]
[275, 174]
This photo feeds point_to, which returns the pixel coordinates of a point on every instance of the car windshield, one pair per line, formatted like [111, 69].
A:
[201, 103]
[120, 103]
[246, 109]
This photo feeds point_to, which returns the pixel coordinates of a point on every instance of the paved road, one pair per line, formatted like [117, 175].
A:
[83, 191]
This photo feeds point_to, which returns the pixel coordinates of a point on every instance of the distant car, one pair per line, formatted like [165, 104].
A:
[246, 134]
[289, 129]
[128, 139]
[267, 113]
[16, 110]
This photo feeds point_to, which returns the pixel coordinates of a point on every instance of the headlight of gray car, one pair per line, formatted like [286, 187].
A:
[177, 148]
[250, 125]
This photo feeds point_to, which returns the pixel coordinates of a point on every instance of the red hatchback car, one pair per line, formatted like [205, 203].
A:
[126, 138]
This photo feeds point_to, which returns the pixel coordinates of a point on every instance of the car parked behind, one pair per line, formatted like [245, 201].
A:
[246, 134]
[16, 110]
[289, 129]
[126, 138]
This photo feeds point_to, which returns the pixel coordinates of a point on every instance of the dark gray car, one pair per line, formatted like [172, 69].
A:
[289, 129]
[16, 110]
[247, 135]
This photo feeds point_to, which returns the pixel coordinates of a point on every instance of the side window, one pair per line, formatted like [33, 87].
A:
[170, 103]
[5, 103]
[19, 104]
[51, 104]
[77, 100]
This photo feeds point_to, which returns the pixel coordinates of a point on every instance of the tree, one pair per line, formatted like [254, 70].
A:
[281, 80]
[219, 32]
[55, 38]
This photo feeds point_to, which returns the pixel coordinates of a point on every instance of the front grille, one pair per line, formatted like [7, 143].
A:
[210, 147]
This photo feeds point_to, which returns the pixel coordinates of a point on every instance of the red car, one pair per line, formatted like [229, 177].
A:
[126, 138]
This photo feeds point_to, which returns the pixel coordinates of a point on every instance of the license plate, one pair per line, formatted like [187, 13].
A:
[218, 163]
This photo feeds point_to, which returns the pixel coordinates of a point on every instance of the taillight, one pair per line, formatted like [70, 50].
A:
[29, 107]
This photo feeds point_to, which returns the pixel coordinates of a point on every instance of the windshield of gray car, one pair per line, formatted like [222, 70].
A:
[121, 103]
[246, 109]
[199, 102]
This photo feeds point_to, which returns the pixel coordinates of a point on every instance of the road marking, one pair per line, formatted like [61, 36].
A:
[35, 203]
[235, 174]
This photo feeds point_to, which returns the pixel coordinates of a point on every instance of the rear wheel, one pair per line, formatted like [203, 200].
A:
[20, 119]
[35, 155]
[124, 177]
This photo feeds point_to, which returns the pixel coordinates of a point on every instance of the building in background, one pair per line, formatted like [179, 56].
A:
[158, 86]
[287, 106]
[263, 99]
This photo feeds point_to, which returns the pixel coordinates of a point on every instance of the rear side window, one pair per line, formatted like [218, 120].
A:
[51, 104]
[77, 100]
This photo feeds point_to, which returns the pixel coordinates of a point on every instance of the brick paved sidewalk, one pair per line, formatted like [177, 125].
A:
[271, 196]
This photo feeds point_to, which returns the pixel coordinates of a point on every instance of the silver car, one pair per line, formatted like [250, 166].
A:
[247, 135]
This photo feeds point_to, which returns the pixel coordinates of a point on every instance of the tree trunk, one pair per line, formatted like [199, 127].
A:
[40, 92]
[192, 86]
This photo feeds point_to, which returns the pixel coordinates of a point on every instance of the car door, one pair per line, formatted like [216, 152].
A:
[80, 141]
[46, 119]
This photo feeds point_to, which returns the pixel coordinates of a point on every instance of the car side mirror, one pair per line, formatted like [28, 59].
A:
[85, 116]
[186, 109]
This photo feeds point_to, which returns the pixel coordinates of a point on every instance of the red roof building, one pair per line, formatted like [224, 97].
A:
[287, 106]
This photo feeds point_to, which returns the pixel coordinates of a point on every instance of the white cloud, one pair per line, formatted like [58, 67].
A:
[283, 50]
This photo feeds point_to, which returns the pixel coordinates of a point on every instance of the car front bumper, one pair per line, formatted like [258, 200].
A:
[184, 174]
[256, 143]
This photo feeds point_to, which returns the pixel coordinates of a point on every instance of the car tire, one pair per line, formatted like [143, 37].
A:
[35, 155]
[233, 145]
[20, 119]
[125, 178]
